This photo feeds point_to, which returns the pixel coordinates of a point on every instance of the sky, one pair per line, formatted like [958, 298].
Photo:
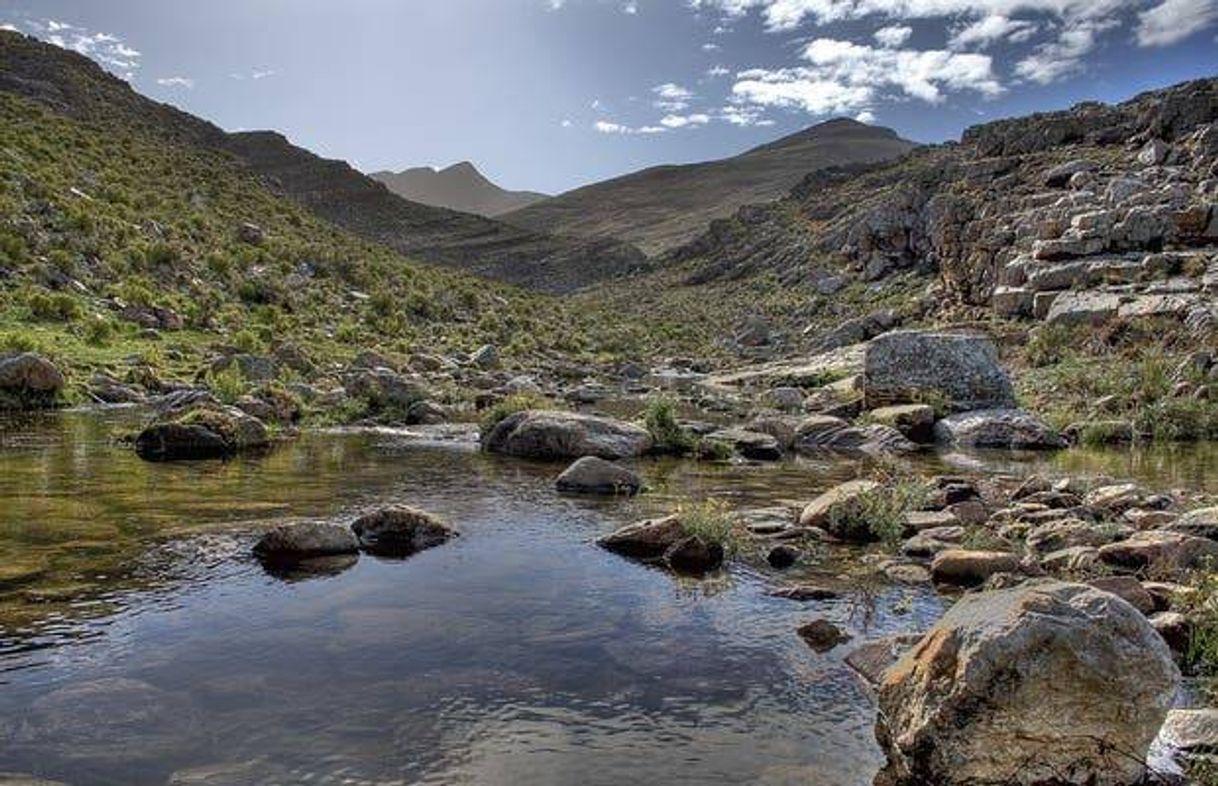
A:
[552, 94]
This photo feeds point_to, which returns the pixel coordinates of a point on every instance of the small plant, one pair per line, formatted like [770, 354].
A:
[227, 384]
[54, 307]
[712, 522]
[669, 436]
[1200, 604]
[881, 511]
[99, 331]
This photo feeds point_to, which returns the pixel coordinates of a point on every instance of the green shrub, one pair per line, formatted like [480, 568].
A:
[54, 306]
[16, 341]
[881, 511]
[228, 384]
[99, 331]
[670, 437]
[712, 522]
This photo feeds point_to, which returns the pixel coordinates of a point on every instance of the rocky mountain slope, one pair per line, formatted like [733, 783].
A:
[1066, 216]
[662, 207]
[458, 187]
[72, 85]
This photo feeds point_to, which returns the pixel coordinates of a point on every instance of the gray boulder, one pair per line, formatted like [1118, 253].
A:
[593, 475]
[203, 432]
[29, 381]
[750, 444]
[548, 434]
[289, 543]
[1046, 682]
[998, 428]
[915, 366]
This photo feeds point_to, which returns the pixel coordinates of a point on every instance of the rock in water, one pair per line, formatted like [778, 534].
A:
[399, 531]
[822, 635]
[288, 543]
[694, 556]
[28, 381]
[203, 432]
[546, 434]
[911, 366]
[1012, 429]
[1043, 683]
[592, 475]
[648, 539]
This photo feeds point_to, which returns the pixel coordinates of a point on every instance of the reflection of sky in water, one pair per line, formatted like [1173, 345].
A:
[518, 653]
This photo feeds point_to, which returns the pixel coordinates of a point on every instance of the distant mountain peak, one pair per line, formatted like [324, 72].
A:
[460, 186]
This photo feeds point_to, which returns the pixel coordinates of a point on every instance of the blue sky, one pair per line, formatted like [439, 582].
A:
[551, 94]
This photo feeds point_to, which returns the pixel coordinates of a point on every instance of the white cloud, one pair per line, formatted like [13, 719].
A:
[1064, 56]
[990, 29]
[844, 77]
[684, 121]
[1175, 20]
[717, 71]
[106, 49]
[566, 124]
[606, 127]
[8, 27]
[176, 81]
[866, 116]
[710, 47]
[893, 36]
[630, 7]
[671, 97]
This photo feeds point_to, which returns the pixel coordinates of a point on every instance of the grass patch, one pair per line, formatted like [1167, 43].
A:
[712, 522]
[517, 402]
[881, 512]
[670, 437]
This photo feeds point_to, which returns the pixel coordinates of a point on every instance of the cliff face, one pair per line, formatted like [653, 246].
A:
[72, 85]
[1075, 215]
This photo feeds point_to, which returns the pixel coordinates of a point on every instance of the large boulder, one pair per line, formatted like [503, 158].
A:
[648, 539]
[204, 432]
[967, 568]
[29, 381]
[834, 511]
[1042, 683]
[1160, 551]
[399, 531]
[818, 434]
[592, 475]
[549, 434]
[998, 428]
[961, 371]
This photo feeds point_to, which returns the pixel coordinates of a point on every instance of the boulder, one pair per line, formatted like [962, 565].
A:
[1202, 523]
[872, 659]
[485, 357]
[1083, 308]
[1046, 682]
[1192, 731]
[693, 556]
[783, 556]
[1160, 550]
[289, 543]
[29, 381]
[1128, 589]
[399, 531]
[916, 422]
[203, 432]
[828, 434]
[804, 592]
[752, 445]
[592, 475]
[826, 510]
[1013, 429]
[648, 539]
[551, 434]
[914, 366]
[965, 568]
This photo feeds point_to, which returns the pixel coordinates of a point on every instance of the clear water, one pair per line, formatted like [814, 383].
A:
[140, 645]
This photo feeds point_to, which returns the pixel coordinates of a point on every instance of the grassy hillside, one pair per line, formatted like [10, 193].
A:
[94, 218]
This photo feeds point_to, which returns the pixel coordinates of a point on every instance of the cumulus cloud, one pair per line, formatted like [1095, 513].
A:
[1064, 56]
[866, 116]
[672, 97]
[606, 127]
[683, 121]
[893, 36]
[843, 77]
[717, 71]
[1175, 20]
[176, 81]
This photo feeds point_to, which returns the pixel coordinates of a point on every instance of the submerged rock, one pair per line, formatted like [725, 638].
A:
[1043, 683]
[29, 381]
[546, 434]
[694, 556]
[399, 531]
[592, 475]
[822, 635]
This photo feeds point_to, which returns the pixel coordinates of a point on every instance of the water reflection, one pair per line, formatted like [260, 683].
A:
[140, 645]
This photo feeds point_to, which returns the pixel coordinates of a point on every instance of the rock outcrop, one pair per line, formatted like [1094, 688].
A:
[959, 371]
[1043, 683]
[29, 381]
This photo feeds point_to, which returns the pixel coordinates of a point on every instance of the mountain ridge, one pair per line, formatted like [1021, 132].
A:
[460, 186]
[663, 207]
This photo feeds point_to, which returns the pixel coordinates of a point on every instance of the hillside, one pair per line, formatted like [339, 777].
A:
[70, 84]
[458, 187]
[663, 207]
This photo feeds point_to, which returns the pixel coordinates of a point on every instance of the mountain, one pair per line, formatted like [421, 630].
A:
[459, 187]
[74, 86]
[662, 207]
